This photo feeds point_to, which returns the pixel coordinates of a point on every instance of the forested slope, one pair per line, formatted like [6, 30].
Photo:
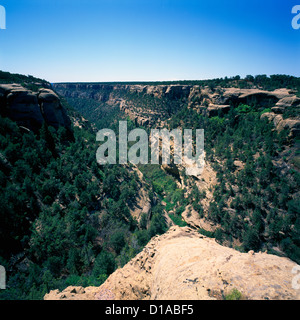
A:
[251, 143]
[64, 219]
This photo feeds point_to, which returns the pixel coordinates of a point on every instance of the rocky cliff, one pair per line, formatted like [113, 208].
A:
[31, 109]
[182, 264]
[148, 105]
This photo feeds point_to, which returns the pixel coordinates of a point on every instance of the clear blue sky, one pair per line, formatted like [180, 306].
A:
[145, 40]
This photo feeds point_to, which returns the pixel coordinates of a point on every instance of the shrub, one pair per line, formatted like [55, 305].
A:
[234, 295]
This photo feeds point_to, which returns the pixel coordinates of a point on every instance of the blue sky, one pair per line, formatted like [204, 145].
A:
[148, 40]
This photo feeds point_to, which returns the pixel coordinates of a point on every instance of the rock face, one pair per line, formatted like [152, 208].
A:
[205, 100]
[31, 109]
[184, 265]
[250, 96]
[142, 204]
[291, 124]
[52, 110]
[289, 101]
[214, 110]
[21, 106]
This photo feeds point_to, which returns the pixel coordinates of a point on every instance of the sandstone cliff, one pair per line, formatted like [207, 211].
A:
[292, 125]
[208, 101]
[182, 264]
[31, 109]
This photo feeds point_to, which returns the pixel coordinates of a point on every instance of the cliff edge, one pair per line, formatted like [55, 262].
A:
[185, 265]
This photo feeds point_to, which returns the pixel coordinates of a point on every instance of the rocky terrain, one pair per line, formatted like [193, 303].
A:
[182, 264]
[142, 204]
[207, 101]
[31, 109]
[290, 124]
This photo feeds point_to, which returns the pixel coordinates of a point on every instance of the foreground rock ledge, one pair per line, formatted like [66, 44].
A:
[184, 265]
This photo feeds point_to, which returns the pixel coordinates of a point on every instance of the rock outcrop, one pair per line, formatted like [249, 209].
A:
[184, 265]
[214, 110]
[250, 96]
[52, 110]
[142, 204]
[31, 109]
[292, 125]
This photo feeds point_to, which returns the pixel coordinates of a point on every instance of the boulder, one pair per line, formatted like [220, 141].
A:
[47, 95]
[292, 125]
[268, 115]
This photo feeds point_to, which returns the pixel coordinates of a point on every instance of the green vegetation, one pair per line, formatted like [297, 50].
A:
[256, 204]
[164, 185]
[27, 81]
[234, 295]
[65, 220]
[243, 108]
[178, 220]
[103, 116]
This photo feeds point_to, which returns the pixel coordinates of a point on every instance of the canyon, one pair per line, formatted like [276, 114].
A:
[89, 231]
[183, 264]
[207, 101]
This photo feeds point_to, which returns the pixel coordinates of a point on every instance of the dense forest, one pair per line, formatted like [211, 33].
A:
[258, 205]
[65, 220]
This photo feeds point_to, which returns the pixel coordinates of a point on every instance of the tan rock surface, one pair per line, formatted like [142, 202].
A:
[182, 264]
[191, 216]
[142, 204]
[290, 124]
[289, 101]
